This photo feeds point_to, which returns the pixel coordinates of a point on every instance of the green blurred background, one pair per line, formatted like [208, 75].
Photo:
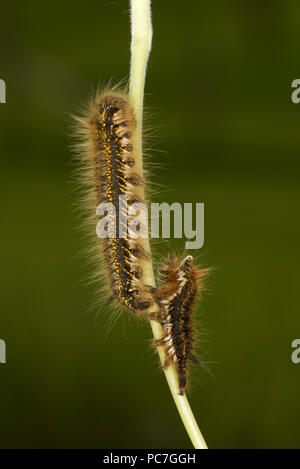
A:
[219, 89]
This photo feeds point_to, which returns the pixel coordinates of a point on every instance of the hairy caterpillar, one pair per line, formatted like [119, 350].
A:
[109, 159]
[176, 297]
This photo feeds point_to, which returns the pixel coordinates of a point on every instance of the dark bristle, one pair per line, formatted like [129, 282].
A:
[194, 359]
[182, 382]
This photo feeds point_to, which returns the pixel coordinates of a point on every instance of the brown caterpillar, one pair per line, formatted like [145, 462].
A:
[109, 157]
[176, 297]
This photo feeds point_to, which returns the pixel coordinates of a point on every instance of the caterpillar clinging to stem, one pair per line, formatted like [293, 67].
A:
[114, 179]
[176, 296]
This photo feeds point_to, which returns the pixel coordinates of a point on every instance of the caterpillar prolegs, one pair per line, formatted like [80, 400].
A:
[179, 289]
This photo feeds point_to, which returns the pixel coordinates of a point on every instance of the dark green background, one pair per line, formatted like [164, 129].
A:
[219, 88]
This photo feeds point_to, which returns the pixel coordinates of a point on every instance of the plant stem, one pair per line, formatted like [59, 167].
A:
[141, 38]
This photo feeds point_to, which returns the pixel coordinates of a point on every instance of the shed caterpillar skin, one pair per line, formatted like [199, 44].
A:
[176, 296]
[110, 158]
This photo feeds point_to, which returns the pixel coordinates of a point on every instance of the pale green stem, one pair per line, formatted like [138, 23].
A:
[141, 38]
